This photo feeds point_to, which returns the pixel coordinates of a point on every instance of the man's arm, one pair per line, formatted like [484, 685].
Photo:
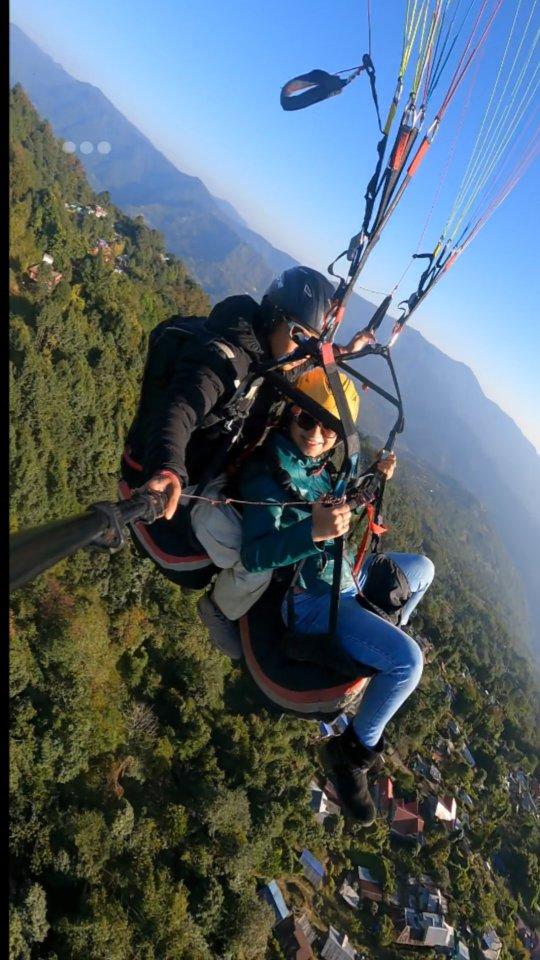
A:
[201, 382]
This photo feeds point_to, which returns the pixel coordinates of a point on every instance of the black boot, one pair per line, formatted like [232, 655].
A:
[351, 760]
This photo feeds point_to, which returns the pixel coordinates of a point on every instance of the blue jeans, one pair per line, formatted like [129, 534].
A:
[375, 642]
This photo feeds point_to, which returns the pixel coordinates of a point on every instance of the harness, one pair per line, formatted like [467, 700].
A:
[191, 329]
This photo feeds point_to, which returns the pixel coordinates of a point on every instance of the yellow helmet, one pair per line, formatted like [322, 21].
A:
[315, 384]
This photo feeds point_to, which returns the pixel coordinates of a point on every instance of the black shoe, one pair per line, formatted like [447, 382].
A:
[224, 633]
[351, 761]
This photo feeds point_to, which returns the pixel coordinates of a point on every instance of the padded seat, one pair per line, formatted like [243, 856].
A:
[303, 689]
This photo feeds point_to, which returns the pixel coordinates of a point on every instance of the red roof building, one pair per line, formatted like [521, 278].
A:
[406, 821]
[293, 940]
[384, 794]
[370, 891]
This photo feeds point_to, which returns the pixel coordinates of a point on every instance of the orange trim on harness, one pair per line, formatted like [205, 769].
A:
[372, 528]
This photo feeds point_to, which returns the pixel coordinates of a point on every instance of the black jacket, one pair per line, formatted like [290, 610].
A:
[190, 385]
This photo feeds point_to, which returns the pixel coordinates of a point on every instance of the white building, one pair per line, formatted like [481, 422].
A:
[337, 947]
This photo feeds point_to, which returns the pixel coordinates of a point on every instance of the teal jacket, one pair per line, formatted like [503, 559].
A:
[277, 536]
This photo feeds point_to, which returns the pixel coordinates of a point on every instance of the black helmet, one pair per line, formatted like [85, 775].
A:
[301, 295]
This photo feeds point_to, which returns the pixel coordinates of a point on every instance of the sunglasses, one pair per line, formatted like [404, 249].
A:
[306, 422]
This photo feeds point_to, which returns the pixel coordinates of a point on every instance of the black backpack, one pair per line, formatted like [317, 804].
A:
[386, 589]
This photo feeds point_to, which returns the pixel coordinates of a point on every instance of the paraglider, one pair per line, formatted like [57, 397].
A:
[227, 380]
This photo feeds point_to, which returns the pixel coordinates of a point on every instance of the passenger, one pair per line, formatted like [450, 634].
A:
[295, 467]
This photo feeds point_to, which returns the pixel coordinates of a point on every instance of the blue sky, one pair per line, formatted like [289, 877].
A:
[202, 81]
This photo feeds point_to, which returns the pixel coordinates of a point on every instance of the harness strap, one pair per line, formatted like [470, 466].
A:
[352, 450]
[372, 529]
[348, 427]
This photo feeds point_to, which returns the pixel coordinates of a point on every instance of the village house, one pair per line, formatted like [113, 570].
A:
[424, 930]
[490, 945]
[320, 803]
[443, 808]
[102, 246]
[420, 766]
[526, 935]
[431, 900]
[295, 936]
[468, 757]
[273, 896]
[35, 270]
[313, 868]
[337, 947]
[424, 896]
[383, 794]
[336, 728]
[406, 823]
[427, 770]
[435, 774]
[349, 895]
[369, 887]
[461, 950]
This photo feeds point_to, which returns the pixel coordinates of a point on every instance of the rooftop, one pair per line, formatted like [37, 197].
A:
[313, 868]
[365, 874]
[337, 946]
[273, 896]
[294, 942]
[350, 895]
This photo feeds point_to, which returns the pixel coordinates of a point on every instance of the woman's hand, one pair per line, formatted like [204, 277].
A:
[387, 464]
[165, 481]
[329, 521]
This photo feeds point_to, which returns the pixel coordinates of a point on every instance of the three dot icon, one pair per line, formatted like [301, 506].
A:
[87, 147]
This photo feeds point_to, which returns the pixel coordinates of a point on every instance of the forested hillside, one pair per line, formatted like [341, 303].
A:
[150, 794]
